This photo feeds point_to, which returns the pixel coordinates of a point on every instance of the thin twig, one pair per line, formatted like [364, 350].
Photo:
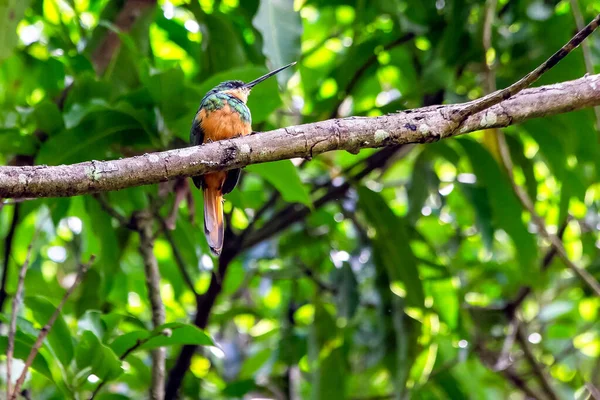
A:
[594, 392]
[529, 206]
[488, 21]
[585, 48]
[505, 157]
[309, 273]
[46, 329]
[494, 98]
[178, 257]
[265, 207]
[514, 378]
[538, 370]
[363, 68]
[112, 212]
[143, 222]
[504, 360]
[17, 301]
[511, 307]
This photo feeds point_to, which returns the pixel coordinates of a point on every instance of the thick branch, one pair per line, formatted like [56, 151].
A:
[351, 134]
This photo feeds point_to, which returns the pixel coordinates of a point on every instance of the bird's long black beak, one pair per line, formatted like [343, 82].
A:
[255, 82]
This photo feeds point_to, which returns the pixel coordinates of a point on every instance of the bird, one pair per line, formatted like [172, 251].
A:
[223, 114]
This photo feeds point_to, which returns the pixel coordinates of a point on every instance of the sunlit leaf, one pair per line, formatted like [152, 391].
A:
[281, 27]
[284, 176]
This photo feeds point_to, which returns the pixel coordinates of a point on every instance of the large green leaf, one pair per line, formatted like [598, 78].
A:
[393, 247]
[505, 205]
[13, 142]
[479, 198]
[21, 352]
[179, 334]
[11, 12]
[326, 357]
[284, 176]
[91, 131]
[224, 47]
[281, 28]
[59, 338]
[100, 359]
[422, 182]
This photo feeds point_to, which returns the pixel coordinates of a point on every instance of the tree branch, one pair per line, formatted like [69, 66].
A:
[537, 219]
[363, 68]
[125, 20]
[497, 97]
[414, 126]
[12, 330]
[537, 369]
[177, 254]
[143, 223]
[46, 329]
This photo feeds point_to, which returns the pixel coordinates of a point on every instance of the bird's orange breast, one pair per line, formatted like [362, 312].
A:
[221, 124]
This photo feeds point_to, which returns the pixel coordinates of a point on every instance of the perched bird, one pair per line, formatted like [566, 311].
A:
[222, 114]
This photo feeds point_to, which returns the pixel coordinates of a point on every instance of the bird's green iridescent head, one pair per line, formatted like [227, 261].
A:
[240, 89]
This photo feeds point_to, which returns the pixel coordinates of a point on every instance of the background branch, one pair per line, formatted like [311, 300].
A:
[143, 222]
[496, 97]
[538, 370]
[585, 49]
[46, 329]
[8, 244]
[12, 329]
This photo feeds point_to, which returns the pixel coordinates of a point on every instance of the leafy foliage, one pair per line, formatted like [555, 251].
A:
[393, 273]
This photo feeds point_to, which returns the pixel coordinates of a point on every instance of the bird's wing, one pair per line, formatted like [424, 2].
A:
[196, 132]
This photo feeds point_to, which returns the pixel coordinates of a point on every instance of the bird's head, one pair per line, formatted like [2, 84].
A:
[240, 89]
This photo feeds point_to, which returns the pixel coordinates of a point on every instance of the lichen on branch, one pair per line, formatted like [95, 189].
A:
[420, 125]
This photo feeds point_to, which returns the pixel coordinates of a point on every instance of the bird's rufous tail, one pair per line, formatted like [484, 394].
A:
[213, 218]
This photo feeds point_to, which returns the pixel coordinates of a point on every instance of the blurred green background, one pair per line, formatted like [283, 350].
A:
[391, 274]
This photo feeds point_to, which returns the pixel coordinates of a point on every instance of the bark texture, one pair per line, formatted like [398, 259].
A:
[351, 134]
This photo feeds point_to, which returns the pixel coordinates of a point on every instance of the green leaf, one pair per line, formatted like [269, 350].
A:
[479, 198]
[422, 182]
[393, 247]
[326, 357]
[48, 117]
[21, 352]
[517, 153]
[348, 295]
[59, 338]
[13, 142]
[225, 45]
[284, 176]
[11, 12]
[445, 300]
[100, 359]
[92, 130]
[180, 334]
[253, 363]
[281, 27]
[505, 205]
[239, 388]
